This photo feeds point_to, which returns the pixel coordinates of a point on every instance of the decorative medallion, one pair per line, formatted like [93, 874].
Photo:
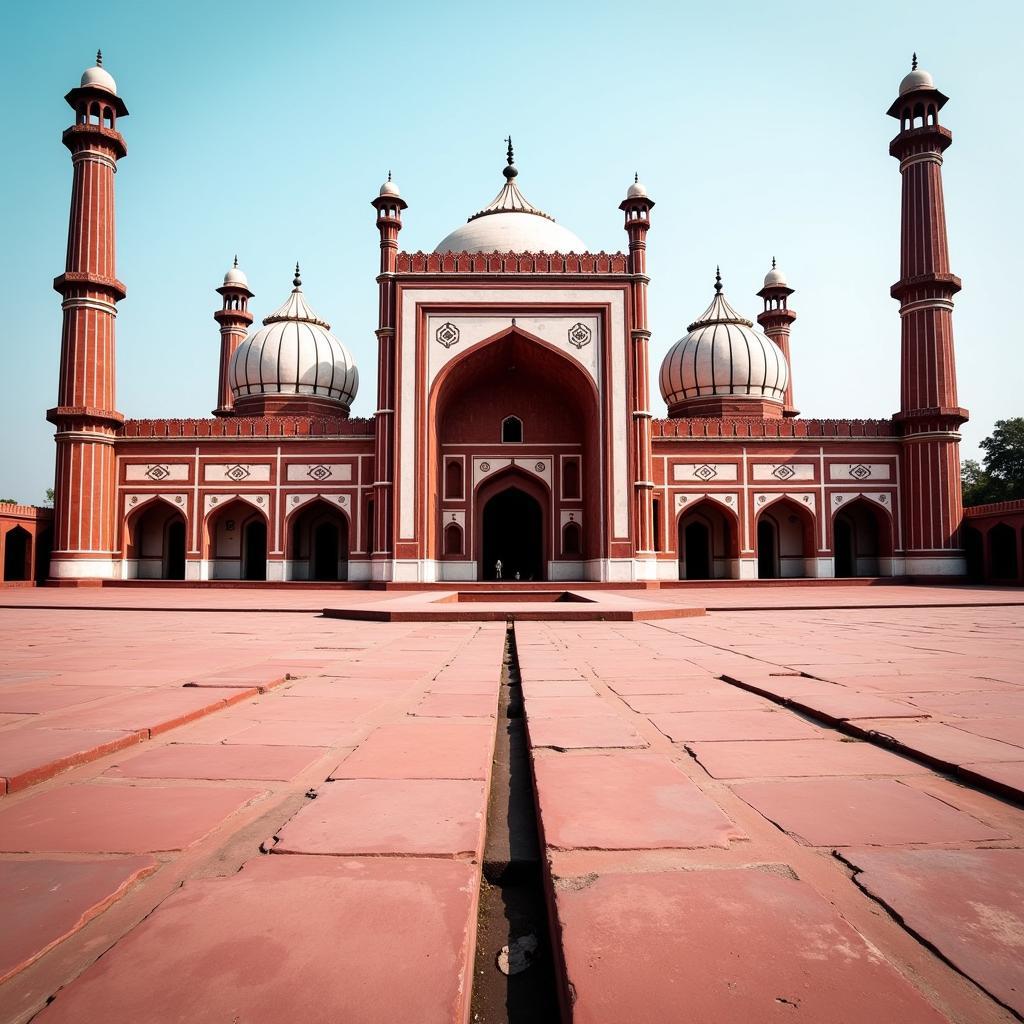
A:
[447, 334]
[579, 335]
[485, 467]
[705, 473]
[729, 499]
[539, 467]
[783, 472]
[157, 472]
[177, 499]
[761, 499]
[259, 499]
[133, 499]
[860, 472]
[839, 499]
[319, 472]
[238, 473]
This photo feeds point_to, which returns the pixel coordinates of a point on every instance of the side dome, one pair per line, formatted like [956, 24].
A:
[511, 223]
[293, 364]
[724, 366]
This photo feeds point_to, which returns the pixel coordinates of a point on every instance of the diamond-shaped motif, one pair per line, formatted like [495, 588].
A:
[319, 472]
[783, 472]
[579, 335]
[705, 473]
[158, 472]
[447, 334]
[238, 473]
[860, 472]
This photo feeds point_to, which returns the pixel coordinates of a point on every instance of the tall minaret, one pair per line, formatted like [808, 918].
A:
[389, 205]
[86, 416]
[234, 319]
[929, 416]
[637, 208]
[776, 319]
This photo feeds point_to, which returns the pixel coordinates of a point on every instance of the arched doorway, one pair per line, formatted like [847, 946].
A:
[17, 555]
[974, 551]
[512, 411]
[319, 543]
[785, 540]
[707, 542]
[861, 539]
[155, 542]
[513, 533]
[237, 542]
[1002, 552]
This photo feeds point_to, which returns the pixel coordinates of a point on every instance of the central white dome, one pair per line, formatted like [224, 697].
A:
[510, 223]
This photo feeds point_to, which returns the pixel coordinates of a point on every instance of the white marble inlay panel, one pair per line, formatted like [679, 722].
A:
[320, 472]
[296, 501]
[237, 473]
[783, 472]
[860, 471]
[839, 500]
[156, 472]
[133, 501]
[730, 501]
[705, 472]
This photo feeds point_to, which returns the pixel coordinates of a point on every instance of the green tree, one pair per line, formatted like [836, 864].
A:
[8, 501]
[975, 483]
[49, 496]
[1004, 458]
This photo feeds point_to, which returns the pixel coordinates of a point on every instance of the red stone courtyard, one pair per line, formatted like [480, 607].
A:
[222, 805]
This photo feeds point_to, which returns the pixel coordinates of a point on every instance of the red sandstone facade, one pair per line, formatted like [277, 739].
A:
[513, 420]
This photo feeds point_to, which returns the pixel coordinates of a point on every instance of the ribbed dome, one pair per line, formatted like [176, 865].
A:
[294, 353]
[511, 223]
[723, 354]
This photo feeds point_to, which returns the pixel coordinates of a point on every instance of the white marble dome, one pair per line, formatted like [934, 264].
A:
[294, 353]
[723, 354]
[511, 223]
[236, 276]
[390, 188]
[98, 77]
[775, 278]
[917, 79]
[637, 190]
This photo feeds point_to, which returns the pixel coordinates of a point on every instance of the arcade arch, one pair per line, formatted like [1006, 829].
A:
[707, 536]
[155, 542]
[318, 535]
[785, 540]
[862, 539]
[237, 542]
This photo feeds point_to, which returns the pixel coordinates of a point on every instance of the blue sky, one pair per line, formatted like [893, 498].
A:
[265, 129]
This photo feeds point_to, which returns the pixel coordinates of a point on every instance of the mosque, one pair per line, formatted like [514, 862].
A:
[513, 420]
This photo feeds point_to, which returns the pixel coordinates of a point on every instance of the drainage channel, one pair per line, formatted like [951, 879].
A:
[513, 976]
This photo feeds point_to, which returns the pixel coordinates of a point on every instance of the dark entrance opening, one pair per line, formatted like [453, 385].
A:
[697, 550]
[325, 552]
[254, 551]
[845, 559]
[174, 550]
[974, 549]
[767, 550]
[513, 534]
[17, 545]
[1002, 552]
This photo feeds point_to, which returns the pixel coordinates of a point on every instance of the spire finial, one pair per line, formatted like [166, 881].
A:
[773, 263]
[389, 174]
[510, 170]
[913, 62]
[718, 280]
[99, 58]
[297, 281]
[636, 177]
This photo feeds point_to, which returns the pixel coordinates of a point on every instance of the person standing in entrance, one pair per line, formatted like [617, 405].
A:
[497, 569]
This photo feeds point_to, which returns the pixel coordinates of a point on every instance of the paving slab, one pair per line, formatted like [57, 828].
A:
[422, 817]
[624, 801]
[580, 733]
[38, 699]
[940, 743]
[298, 734]
[1006, 730]
[311, 939]
[662, 682]
[753, 759]
[457, 705]
[967, 904]
[932, 683]
[733, 725]
[156, 711]
[30, 754]
[427, 749]
[51, 899]
[117, 818]
[567, 707]
[726, 698]
[861, 812]
[218, 761]
[973, 705]
[851, 704]
[1005, 777]
[287, 707]
[557, 688]
[722, 946]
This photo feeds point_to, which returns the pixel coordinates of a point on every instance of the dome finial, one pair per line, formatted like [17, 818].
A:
[913, 62]
[773, 263]
[99, 58]
[636, 177]
[389, 174]
[236, 260]
[297, 281]
[510, 170]
[718, 280]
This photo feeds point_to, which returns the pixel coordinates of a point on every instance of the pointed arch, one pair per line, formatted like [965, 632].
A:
[318, 540]
[155, 540]
[785, 532]
[862, 538]
[707, 540]
[236, 540]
